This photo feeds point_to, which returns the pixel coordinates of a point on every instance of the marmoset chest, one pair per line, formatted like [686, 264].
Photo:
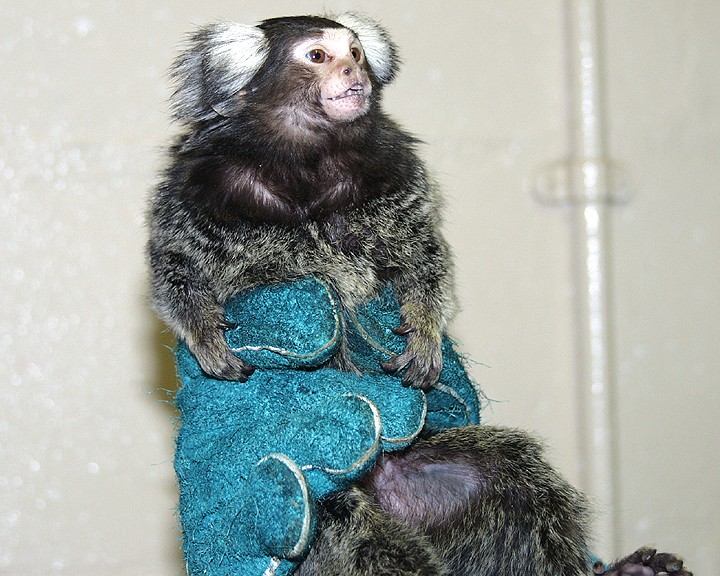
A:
[342, 250]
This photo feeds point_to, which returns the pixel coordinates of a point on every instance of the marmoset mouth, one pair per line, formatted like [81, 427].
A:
[348, 104]
[355, 90]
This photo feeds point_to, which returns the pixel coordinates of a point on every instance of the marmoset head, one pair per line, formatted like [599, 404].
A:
[306, 70]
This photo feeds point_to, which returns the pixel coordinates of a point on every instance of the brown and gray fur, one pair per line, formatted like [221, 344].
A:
[471, 501]
[287, 167]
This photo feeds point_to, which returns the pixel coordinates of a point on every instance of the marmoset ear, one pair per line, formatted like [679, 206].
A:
[212, 71]
[380, 51]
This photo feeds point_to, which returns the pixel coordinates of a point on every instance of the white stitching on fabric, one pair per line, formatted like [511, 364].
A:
[304, 538]
[289, 353]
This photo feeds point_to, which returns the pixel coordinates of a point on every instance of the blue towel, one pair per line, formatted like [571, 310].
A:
[253, 458]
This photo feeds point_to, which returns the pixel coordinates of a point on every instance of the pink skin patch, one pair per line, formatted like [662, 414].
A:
[347, 105]
[339, 62]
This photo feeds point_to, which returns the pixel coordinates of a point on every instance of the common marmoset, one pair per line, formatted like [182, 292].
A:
[288, 167]
[469, 501]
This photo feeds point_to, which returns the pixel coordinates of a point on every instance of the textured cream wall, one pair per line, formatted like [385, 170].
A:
[86, 482]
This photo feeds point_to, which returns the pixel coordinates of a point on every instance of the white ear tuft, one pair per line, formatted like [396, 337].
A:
[380, 51]
[218, 62]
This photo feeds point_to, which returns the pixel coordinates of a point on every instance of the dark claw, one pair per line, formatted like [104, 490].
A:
[413, 375]
[245, 372]
[416, 378]
[647, 554]
[421, 360]
[395, 364]
[403, 330]
[227, 367]
[226, 325]
[387, 367]
[235, 373]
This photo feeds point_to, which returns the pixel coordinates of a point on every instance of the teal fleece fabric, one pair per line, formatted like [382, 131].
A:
[253, 458]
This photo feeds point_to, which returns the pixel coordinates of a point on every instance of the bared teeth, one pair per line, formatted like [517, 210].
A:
[352, 91]
[348, 93]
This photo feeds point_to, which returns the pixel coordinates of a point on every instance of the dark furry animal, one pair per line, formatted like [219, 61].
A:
[472, 501]
[288, 167]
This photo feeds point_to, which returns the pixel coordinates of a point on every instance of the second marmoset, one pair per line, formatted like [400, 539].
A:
[288, 167]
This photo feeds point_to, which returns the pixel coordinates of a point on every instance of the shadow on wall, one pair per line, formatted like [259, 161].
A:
[162, 387]
[164, 383]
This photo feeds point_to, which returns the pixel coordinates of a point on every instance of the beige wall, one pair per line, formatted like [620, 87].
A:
[86, 482]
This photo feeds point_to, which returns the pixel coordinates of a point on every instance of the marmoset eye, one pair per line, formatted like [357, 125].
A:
[317, 56]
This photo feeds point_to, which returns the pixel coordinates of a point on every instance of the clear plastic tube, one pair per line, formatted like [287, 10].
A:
[591, 197]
